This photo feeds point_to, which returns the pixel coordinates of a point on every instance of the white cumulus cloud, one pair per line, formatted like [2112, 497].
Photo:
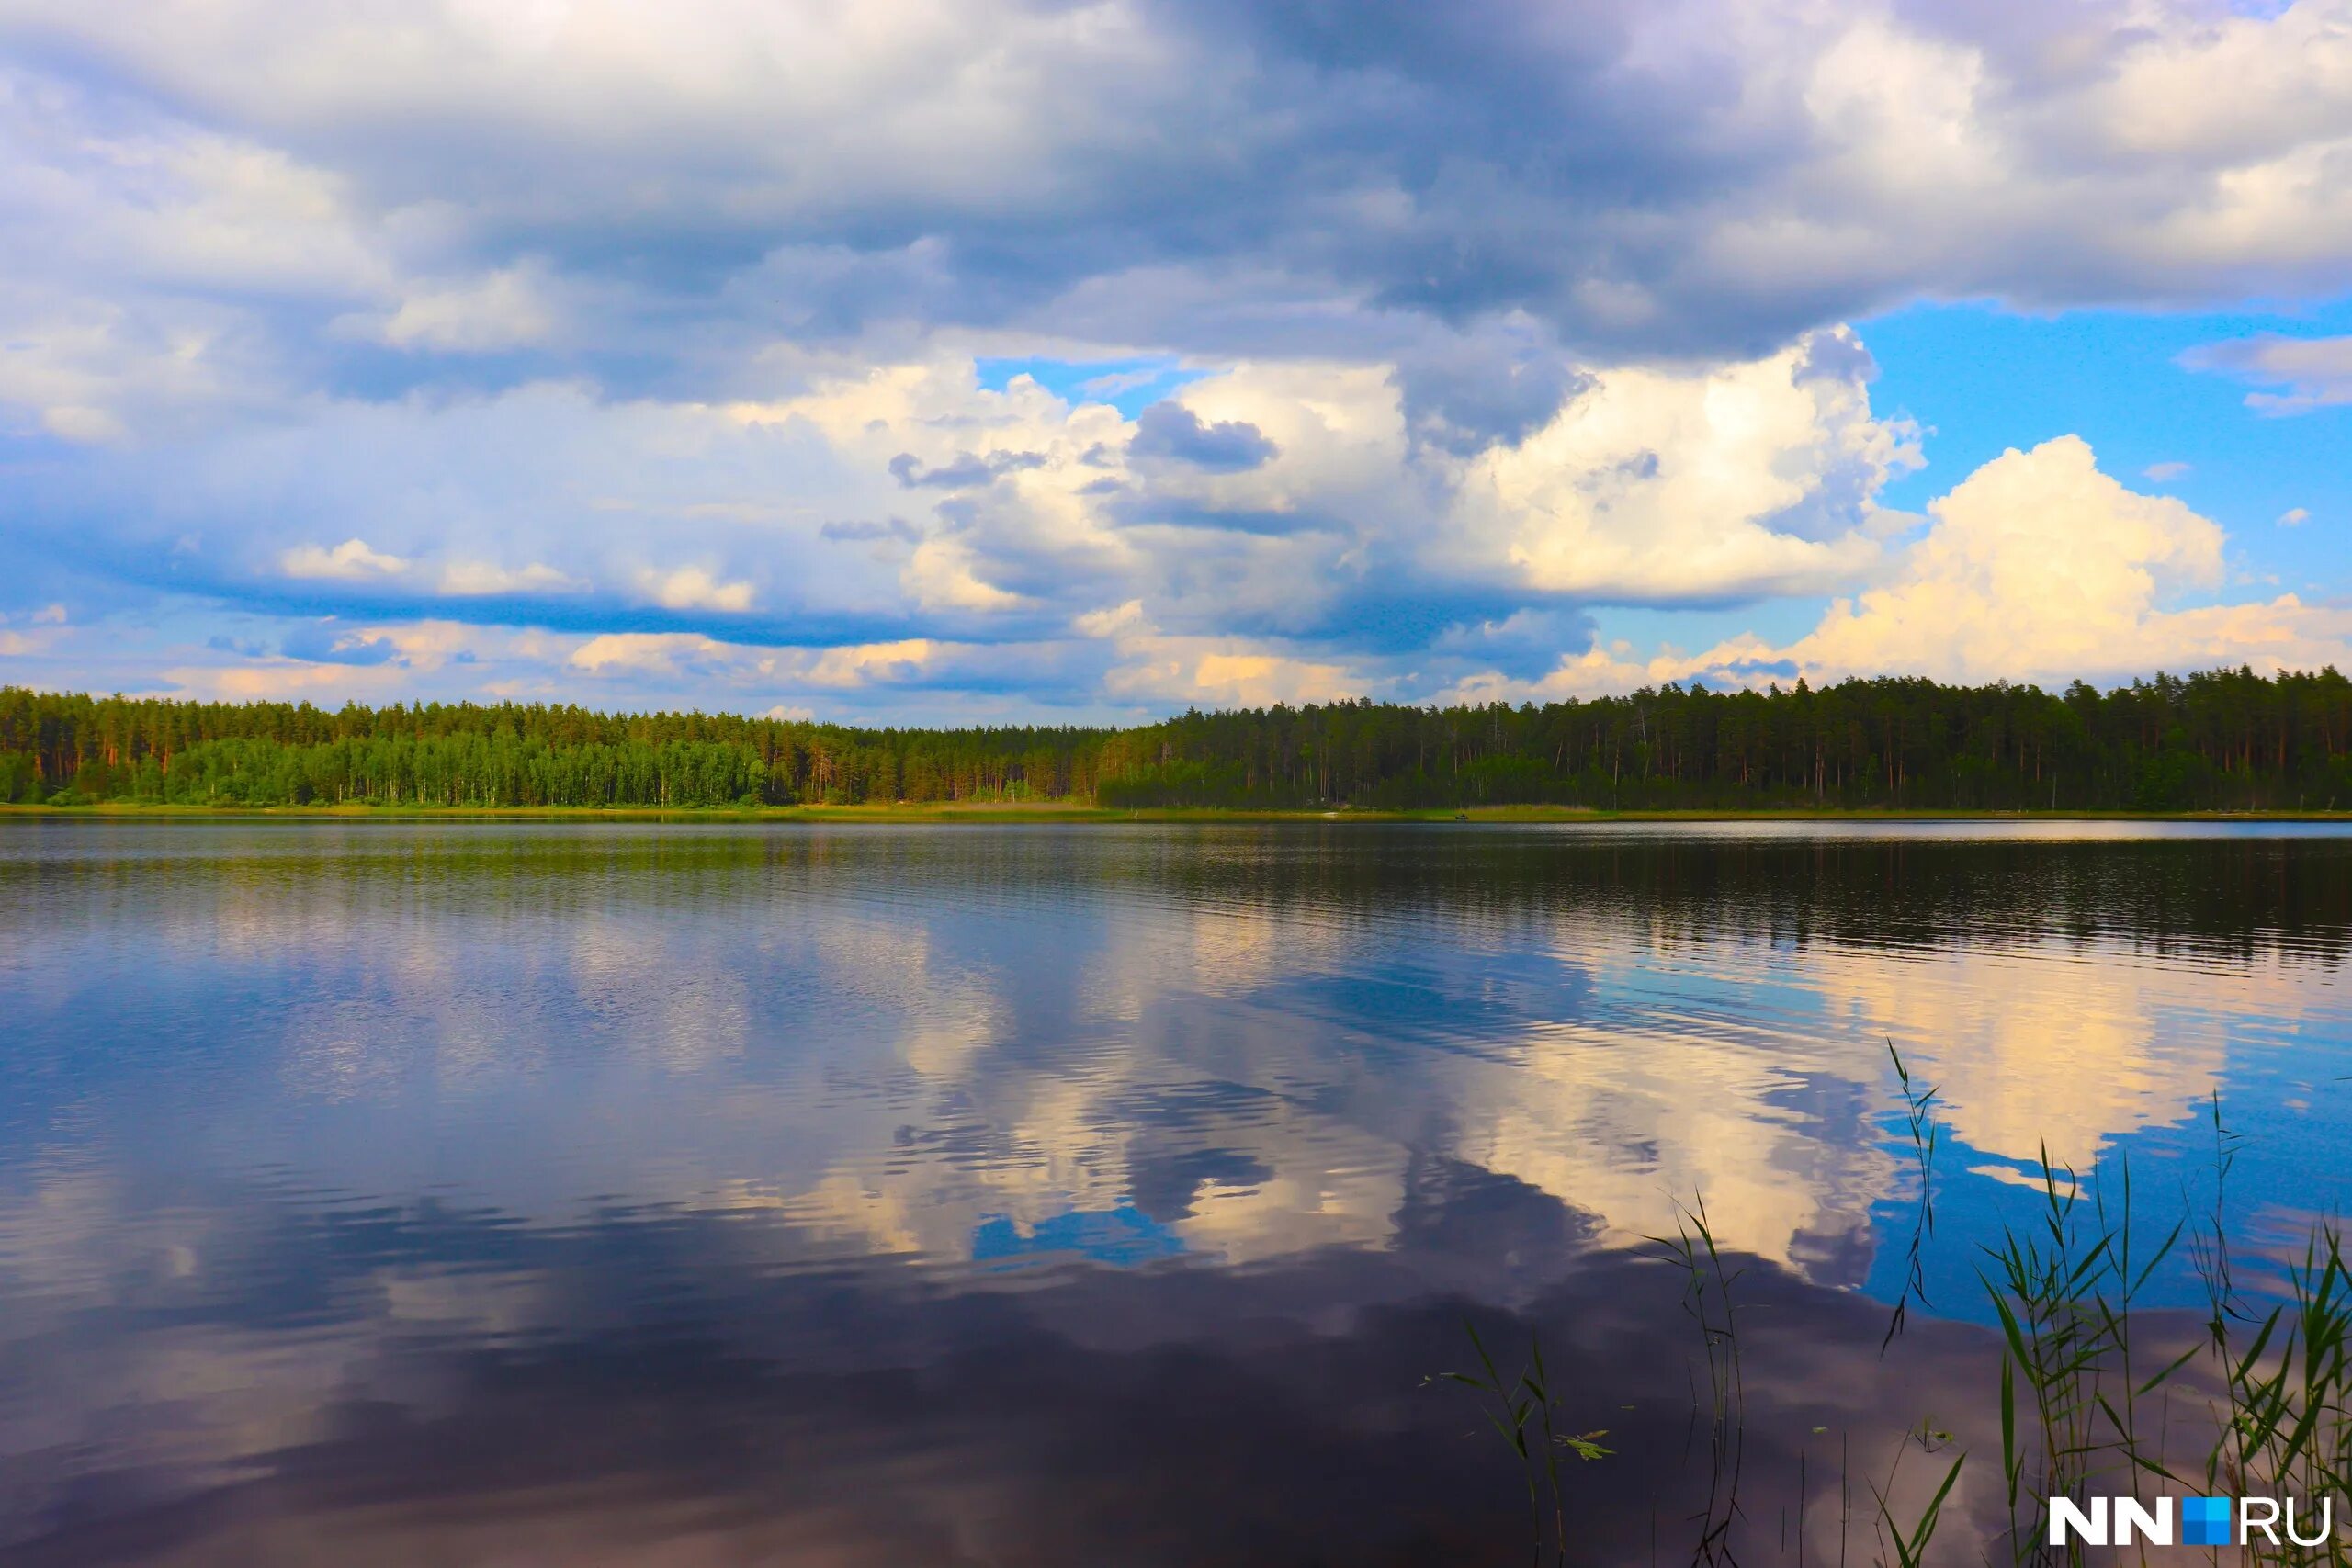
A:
[351, 560]
[475, 579]
[2037, 567]
[692, 588]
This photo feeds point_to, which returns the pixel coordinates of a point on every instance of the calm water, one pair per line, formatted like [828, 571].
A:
[377, 1193]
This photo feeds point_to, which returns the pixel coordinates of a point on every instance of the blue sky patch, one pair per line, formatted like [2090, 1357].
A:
[1130, 386]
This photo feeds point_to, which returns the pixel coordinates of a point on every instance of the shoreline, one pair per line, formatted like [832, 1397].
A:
[953, 812]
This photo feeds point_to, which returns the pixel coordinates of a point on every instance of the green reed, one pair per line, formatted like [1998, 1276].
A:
[2079, 1389]
[1925, 1135]
[2286, 1412]
[1525, 1412]
[2063, 1289]
[2094, 1386]
[2077, 1386]
[1708, 1301]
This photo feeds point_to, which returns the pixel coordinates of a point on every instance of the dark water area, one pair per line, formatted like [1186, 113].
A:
[552, 1194]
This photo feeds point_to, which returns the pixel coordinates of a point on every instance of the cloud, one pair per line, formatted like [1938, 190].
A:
[1200, 177]
[1164, 673]
[1172, 432]
[2294, 517]
[2037, 567]
[503, 309]
[846, 670]
[1255, 680]
[1497, 380]
[421, 645]
[646, 653]
[1127, 618]
[91, 426]
[48, 622]
[943, 574]
[895, 529]
[2163, 473]
[965, 471]
[692, 588]
[872, 661]
[477, 579]
[2037, 562]
[1466, 326]
[273, 679]
[351, 560]
[2312, 372]
[1357, 556]
[1684, 484]
[325, 643]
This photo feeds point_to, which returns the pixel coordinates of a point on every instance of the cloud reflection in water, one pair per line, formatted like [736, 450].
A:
[331, 1152]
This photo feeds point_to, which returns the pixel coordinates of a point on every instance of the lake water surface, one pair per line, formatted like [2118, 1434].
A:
[375, 1192]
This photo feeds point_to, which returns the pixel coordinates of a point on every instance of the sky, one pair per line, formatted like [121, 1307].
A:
[900, 362]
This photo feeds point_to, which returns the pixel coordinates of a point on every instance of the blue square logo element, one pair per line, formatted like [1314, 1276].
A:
[2205, 1521]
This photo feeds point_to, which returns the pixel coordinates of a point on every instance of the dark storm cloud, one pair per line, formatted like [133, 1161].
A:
[1466, 391]
[1592, 167]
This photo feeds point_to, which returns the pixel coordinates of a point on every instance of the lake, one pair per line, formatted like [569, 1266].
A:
[381, 1193]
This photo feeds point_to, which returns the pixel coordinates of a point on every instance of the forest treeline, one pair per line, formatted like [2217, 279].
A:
[2222, 740]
